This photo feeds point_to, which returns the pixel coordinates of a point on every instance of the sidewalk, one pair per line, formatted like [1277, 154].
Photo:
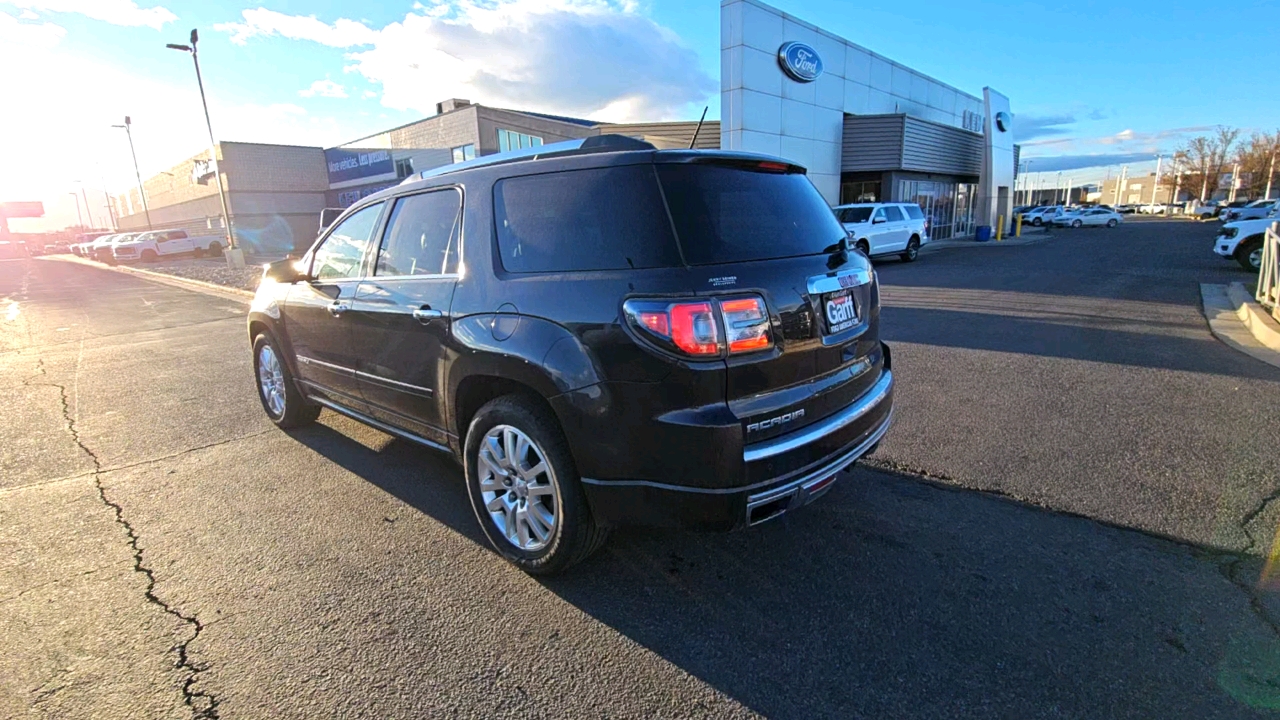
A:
[1030, 235]
[1240, 323]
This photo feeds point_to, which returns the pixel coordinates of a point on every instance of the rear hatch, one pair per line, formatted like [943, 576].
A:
[755, 228]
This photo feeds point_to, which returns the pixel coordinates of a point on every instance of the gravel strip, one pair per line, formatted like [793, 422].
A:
[210, 270]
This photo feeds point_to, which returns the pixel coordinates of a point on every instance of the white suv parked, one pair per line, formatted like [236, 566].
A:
[885, 228]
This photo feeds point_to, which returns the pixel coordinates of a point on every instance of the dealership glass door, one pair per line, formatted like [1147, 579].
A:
[947, 205]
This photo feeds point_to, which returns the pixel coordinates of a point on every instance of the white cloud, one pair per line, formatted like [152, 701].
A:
[30, 35]
[116, 12]
[261, 22]
[600, 59]
[324, 88]
[370, 94]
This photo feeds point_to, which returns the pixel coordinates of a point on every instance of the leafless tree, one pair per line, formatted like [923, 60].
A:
[1206, 157]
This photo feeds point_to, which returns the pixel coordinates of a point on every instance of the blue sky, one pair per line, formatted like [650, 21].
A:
[1097, 84]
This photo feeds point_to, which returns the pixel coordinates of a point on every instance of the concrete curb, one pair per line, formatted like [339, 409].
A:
[208, 288]
[1254, 317]
[1226, 323]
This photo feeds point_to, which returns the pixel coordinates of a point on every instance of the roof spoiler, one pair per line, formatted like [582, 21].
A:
[580, 146]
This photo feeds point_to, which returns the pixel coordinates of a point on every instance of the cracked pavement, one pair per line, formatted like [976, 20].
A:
[1069, 519]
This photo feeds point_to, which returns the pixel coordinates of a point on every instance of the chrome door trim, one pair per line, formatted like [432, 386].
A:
[396, 384]
[349, 372]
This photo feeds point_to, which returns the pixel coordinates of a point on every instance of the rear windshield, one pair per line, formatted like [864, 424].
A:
[614, 219]
[727, 214]
[854, 215]
[913, 212]
[599, 219]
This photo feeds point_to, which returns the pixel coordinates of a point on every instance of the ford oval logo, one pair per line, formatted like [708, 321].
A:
[800, 62]
[1003, 121]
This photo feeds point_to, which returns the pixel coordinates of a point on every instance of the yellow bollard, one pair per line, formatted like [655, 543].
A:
[1017, 226]
[999, 228]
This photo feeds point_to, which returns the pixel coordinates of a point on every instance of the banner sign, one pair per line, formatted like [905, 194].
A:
[347, 165]
[22, 209]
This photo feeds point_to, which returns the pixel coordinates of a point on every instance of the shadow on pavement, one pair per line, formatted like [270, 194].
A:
[891, 597]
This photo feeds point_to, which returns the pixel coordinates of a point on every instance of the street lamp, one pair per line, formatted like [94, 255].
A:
[79, 216]
[128, 124]
[213, 146]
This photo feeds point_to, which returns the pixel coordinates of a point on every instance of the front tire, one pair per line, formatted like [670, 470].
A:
[1249, 254]
[913, 250]
[149, 256]
[863, 247]
[215, 249]
[1037, 222]
[1077, 223]
[1112, 223]
[279, 394]
[525, 488]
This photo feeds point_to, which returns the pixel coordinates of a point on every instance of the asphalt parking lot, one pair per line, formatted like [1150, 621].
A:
[1068, 520]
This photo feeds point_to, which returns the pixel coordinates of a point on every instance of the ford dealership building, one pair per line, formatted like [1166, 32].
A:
[866, 127]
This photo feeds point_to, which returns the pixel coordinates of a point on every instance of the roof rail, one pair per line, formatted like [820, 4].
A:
[580, 146]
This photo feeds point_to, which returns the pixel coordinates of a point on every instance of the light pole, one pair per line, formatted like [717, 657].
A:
[79, 216]
[1235, 181]
[128, 125]
[213, 145]
[1155, 187]
[86, 204]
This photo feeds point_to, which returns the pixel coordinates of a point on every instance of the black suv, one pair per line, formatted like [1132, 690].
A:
[602, 333]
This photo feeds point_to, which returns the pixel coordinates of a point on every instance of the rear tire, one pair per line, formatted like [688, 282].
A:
[573, 534]
[198, 253]
[912, 251]
[1249, 254]
[1112, 223]
[1077, 224]
[215, 249]
[288, 409]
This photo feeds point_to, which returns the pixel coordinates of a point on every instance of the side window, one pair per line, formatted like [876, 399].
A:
[914, 212]
[892, 213]
[422, 235]
[879, 215]
[339, 255]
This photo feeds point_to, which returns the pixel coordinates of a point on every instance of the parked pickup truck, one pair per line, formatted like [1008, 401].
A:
[151, 246]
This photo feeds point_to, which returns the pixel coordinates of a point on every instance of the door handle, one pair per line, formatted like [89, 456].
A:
[425, 314]
[337, 307]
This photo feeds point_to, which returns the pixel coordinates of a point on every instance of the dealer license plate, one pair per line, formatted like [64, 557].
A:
[840, 311]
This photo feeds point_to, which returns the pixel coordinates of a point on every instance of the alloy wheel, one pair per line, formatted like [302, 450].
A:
[271, 380]
[518, 488]
[1255, 259]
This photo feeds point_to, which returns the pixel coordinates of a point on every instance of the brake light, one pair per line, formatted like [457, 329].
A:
[773, 166]
[693, 328]
[746, 324]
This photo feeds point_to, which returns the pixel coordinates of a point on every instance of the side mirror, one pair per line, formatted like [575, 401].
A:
[285, 271]
[877, 221]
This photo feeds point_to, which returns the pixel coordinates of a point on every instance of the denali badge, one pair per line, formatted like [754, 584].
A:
[774, 422]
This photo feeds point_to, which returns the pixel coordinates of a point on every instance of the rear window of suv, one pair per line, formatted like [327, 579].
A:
[914, 212]
[598, 219]
[726, 214]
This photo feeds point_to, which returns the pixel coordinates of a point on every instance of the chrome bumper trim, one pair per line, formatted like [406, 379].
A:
[786, 443]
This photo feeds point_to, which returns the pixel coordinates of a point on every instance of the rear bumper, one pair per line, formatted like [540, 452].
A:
[836, 442]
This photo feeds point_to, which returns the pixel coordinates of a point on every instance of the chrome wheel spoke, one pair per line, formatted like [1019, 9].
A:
[517, 487]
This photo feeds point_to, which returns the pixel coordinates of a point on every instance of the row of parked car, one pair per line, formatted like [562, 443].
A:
[1242, 233]
[145, 246]
[1069, 216]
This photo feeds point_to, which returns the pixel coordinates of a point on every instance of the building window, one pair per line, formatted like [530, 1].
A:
[860, 191]
[464, 153]
[512, 140]
[404, 167]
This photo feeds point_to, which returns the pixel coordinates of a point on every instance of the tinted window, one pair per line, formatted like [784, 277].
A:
[597, 219]
[339, 255]
[728, 214]
[854, 215]
[914, 212]
[893, 213]
[422, 235]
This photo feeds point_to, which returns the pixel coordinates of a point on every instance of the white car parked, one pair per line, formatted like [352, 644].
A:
[1089, 216]
[1041, 215]
[885, 228]
[1241, 240]
[151, 246]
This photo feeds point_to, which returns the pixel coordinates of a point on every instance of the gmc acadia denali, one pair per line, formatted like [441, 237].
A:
[600, 332]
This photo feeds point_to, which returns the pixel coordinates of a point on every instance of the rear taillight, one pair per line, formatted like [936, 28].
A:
[693, 328]
[746, 324]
